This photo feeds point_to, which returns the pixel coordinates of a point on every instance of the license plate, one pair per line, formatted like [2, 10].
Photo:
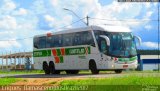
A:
[125, 66]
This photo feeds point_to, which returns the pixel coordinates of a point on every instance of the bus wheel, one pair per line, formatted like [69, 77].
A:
[52, 68]
[118, 71]
[93, 67]
[46, 68]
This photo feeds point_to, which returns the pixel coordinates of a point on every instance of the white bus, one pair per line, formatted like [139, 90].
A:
[91, 48]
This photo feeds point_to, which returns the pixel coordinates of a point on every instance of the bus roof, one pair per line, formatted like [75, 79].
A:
[102, 28]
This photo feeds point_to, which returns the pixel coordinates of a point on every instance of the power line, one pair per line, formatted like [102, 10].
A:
[51, 31]
[125, 20]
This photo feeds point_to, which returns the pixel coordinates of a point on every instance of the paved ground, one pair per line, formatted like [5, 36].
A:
[102, 75]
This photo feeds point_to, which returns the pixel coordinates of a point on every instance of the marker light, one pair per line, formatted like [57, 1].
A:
[49, 34]
[115, 59]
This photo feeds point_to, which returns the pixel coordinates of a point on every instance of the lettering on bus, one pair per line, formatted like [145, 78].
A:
[37, 53]
[42, 53]
[76, 51]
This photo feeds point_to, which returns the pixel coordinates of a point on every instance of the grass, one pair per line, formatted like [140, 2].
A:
[128, 80]
[7, 81]
[128, 83]
[22, 72]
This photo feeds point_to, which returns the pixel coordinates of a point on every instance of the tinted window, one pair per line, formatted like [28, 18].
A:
[56, 41]
[83, 38]
[67, 39]
[42, 42]
[36, 42]
[49, 42]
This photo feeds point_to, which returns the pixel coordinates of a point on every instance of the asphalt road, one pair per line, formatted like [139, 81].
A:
[102, 75]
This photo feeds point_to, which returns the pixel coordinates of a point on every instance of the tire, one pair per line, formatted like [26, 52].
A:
[118, 71]
[72, 71]
[52, 68]
[46, 68]
[93, 67]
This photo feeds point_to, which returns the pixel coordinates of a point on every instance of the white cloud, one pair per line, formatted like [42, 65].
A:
[9, 44]
[8, 23]
[21, 11]
[149, 44]
[148, 27]
[49, 18]
[9, 5]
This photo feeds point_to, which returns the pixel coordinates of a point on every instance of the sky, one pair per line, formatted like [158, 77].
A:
[20, 20]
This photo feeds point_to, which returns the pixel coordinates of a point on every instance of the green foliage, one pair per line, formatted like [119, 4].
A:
[128, 80]
[7, 81]
[127, 83]
[21, 72]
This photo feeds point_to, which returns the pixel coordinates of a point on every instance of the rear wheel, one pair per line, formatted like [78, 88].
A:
[118, 71]
[93, 67]
[52, 68]
[46, 68]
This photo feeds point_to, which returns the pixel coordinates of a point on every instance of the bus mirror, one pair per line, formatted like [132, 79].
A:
[106, 38]
[139, 39]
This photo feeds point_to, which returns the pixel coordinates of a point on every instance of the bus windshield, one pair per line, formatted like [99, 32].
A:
[122, 44]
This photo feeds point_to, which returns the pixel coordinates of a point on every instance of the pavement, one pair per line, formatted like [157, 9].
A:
[102, 75]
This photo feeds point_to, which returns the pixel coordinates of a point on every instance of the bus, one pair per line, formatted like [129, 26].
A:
[94, 48]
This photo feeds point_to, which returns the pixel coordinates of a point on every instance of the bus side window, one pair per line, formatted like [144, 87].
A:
[56, 41]
[83, 38]
[49, 42]
[89, 39]
[36, 42]
[42, 42]
[76, 39]
[67, 39]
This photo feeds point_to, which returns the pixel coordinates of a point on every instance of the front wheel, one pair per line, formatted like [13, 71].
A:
[118, 71]
[93, 68]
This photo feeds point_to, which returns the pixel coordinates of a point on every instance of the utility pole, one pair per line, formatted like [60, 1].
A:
[87, 20]
[158, 39]
[76, 15]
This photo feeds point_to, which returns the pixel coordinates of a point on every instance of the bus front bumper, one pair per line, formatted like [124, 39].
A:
[132, 65]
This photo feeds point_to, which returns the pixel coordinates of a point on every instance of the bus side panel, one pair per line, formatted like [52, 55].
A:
[38, 62]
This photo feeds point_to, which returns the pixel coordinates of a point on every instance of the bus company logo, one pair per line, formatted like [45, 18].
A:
[38, 53]
[77, 51]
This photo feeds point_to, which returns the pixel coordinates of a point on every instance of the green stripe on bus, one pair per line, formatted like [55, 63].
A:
[58, 52]
[42, 53]
[127, 59]
[89, 50]
[68, 51]
[61, 59]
